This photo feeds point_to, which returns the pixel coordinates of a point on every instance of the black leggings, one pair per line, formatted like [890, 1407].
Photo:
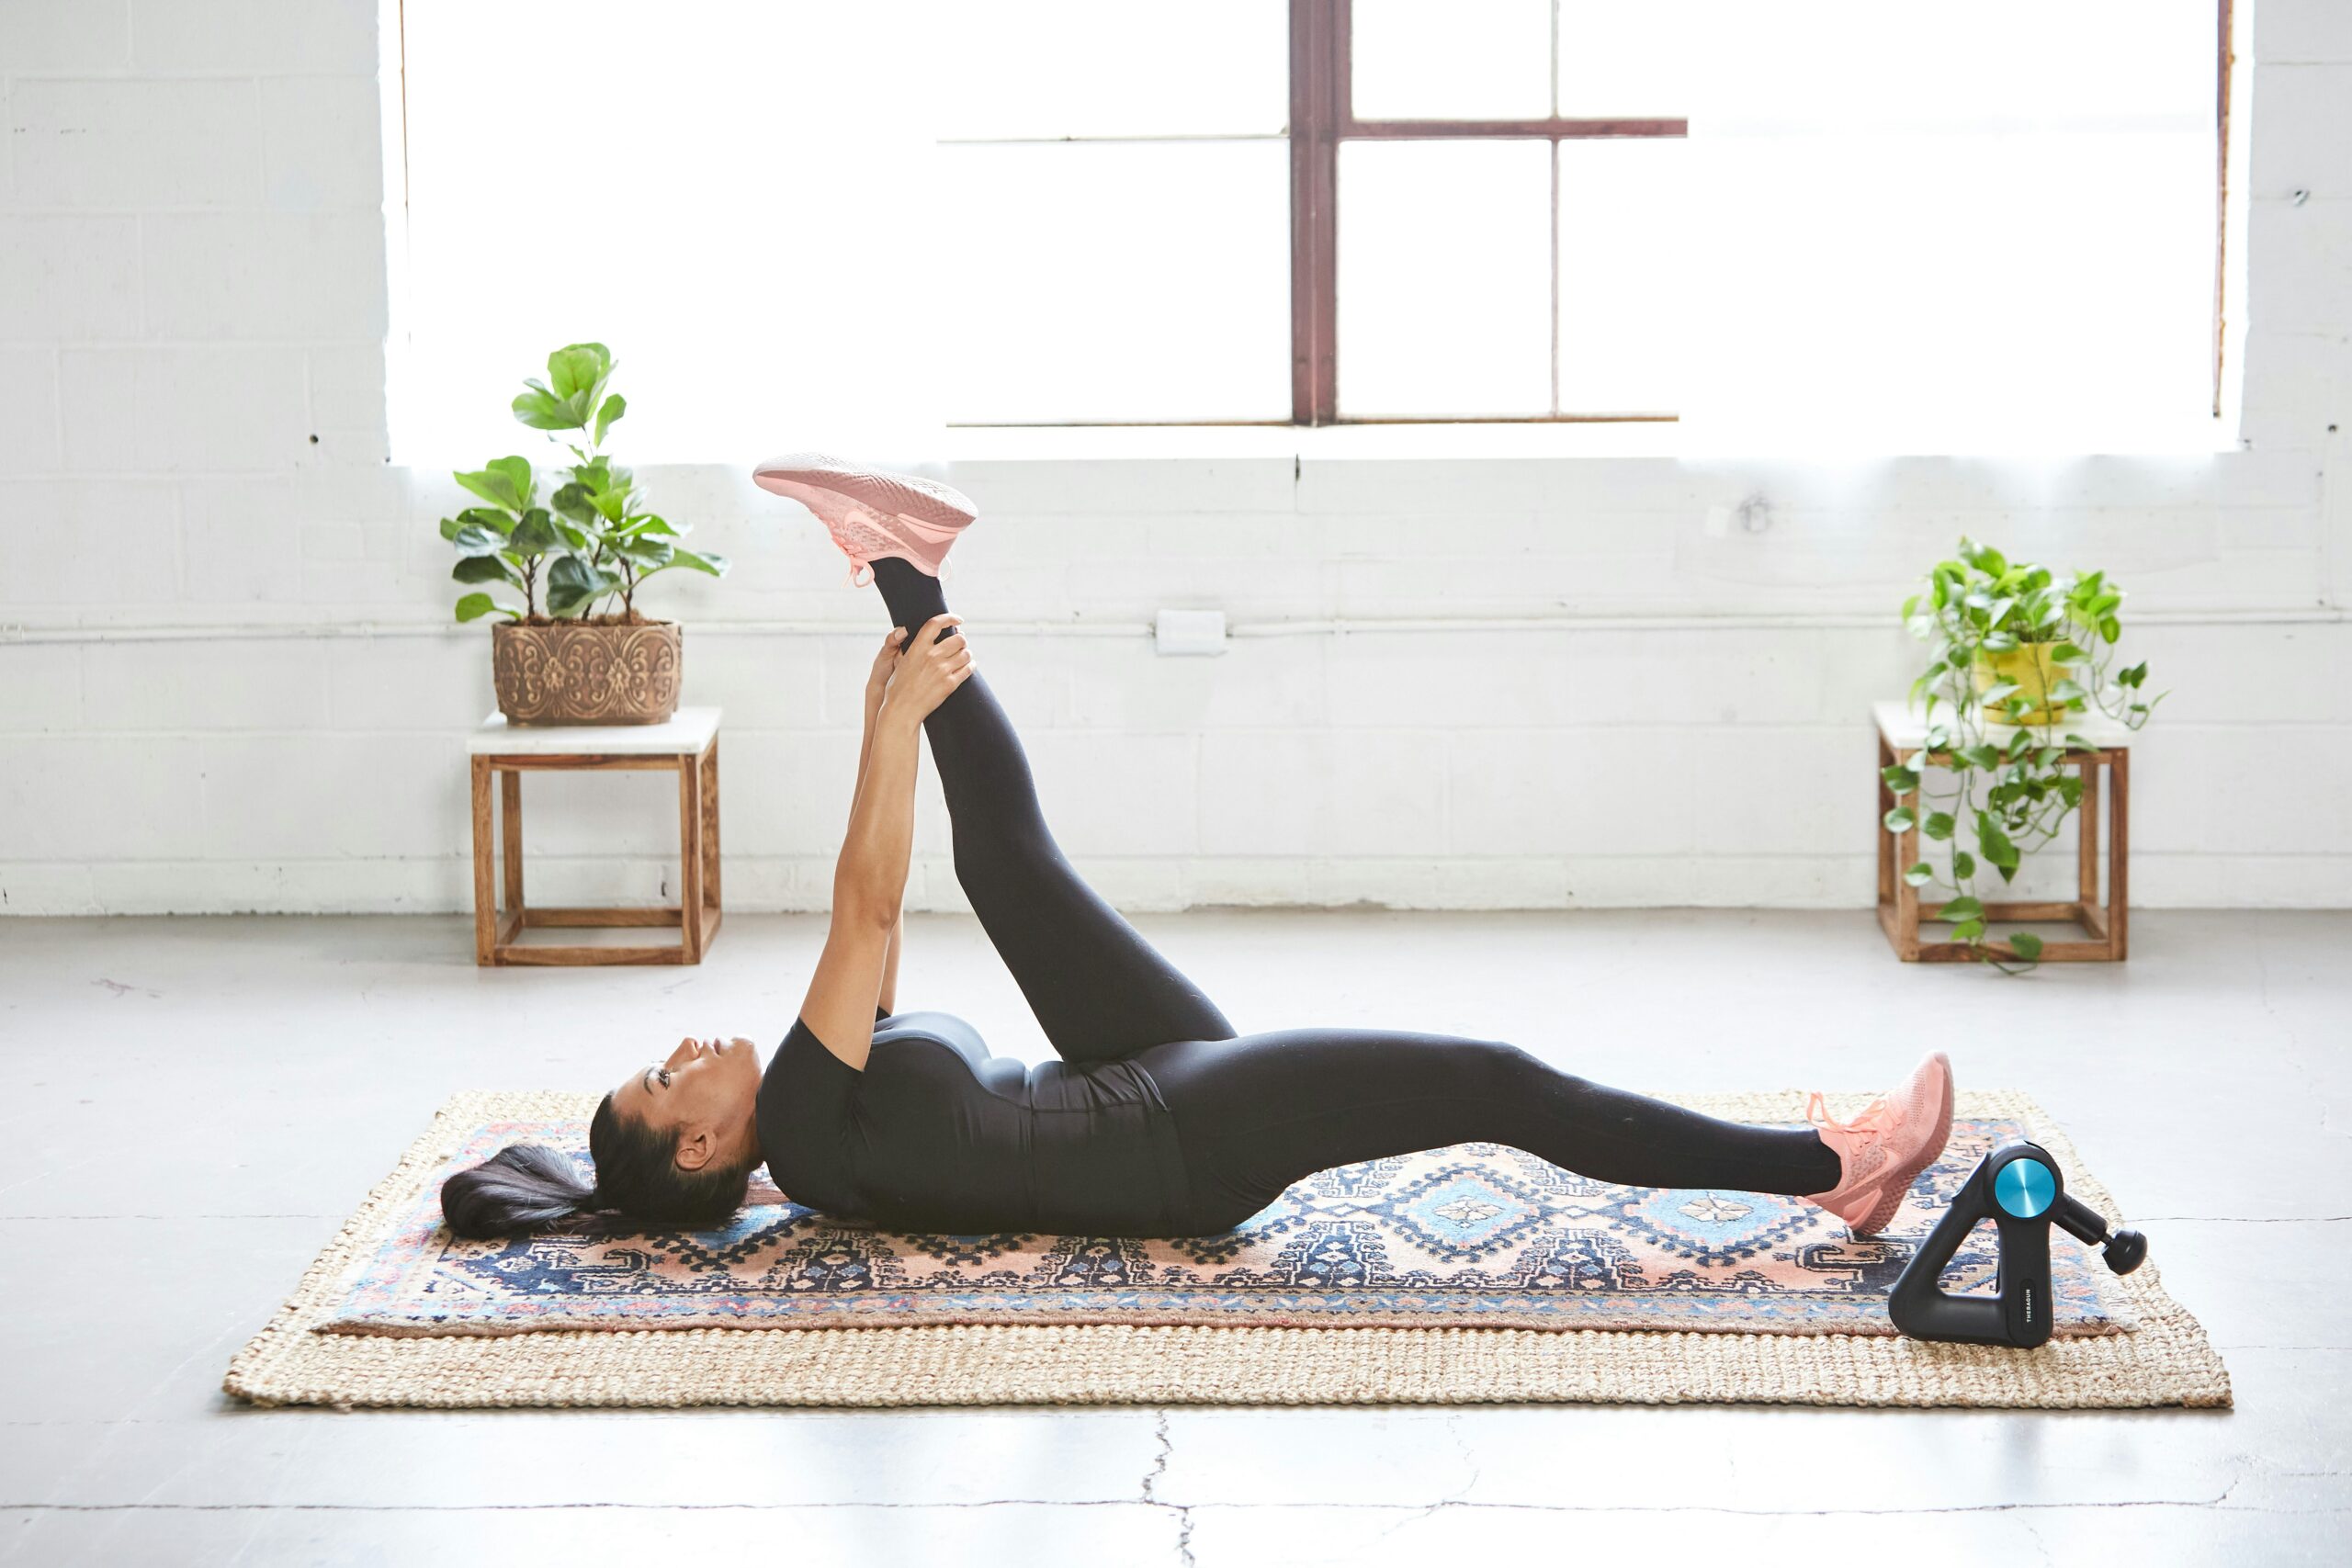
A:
[1256, 1112]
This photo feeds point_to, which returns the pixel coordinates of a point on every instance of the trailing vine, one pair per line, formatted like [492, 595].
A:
[2016, 654]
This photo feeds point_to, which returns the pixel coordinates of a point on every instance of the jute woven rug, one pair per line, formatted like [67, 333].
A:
[1355, 1288]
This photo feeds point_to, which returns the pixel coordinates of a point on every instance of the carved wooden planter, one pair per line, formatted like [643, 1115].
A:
[587, 674]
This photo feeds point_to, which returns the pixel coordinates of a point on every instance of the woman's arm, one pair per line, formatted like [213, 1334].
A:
[878, 685]
[870, 878]
[878, 682]
[888, 997]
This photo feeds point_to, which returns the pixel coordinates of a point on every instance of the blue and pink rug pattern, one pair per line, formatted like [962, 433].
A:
[1472, 1235]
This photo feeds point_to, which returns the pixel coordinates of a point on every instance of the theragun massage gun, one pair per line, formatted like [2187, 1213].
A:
[2017, 1188]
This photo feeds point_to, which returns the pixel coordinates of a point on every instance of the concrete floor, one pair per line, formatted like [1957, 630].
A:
[193, 1106]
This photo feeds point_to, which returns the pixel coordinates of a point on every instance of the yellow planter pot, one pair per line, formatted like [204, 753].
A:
[2031, 666]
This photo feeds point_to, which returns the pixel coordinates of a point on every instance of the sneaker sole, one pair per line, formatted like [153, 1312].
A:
[922, 502]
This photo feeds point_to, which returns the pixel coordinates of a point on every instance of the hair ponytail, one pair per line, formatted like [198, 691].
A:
[524, 1186]
[521, 1187]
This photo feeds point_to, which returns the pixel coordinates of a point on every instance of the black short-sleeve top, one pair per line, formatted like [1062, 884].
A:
[937, 1135]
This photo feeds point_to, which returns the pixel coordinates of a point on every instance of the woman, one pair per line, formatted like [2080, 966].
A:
[1159, 1120]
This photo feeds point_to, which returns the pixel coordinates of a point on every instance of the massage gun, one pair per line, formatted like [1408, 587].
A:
[2016, 1187]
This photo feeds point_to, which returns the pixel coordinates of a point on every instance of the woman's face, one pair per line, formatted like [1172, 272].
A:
[704, 1092]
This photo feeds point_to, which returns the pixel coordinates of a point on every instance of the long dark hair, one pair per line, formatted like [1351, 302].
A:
[524, 1186]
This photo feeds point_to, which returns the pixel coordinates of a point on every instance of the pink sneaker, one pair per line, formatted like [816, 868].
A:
[872, 514]
[1884, 1149]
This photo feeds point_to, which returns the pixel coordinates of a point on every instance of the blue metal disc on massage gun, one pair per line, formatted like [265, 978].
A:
[2025, 1188]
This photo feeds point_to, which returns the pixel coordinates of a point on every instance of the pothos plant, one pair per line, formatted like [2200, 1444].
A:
[2016, 653]
[593, 543]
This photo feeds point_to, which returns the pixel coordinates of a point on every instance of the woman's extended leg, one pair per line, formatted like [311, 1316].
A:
[1257, 1113]
[1098, 989]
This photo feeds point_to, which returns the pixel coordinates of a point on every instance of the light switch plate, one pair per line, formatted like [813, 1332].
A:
[1190, 631]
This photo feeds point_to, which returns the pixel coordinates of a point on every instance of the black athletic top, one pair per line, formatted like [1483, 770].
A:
[937, 1135]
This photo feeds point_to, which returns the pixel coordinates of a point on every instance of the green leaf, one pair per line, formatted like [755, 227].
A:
[2000, 642]
[504, 482]
[701, 560]
[2134, 676]
[542, 409]
[651, 554]
[575, 502]
[487, 568]
[1980, 755]
[2026, 945]
[472, 539]
[1938, 825]
[2109, 627]
[517, 474]
[614, 406]
[579, 367]
[1999, 692]
[1920, 875]
[573, 585]
[1960, 908]
[1964, 865]
[474, 606]
[535, 535]
[1968, 930]
[1900, 821]
[1899, 779]
[1994, 845]
[2067, 653]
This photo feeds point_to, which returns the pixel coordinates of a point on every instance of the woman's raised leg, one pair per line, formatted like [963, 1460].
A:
[1098, 989]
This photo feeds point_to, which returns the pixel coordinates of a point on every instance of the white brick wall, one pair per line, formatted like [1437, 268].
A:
[226, 682]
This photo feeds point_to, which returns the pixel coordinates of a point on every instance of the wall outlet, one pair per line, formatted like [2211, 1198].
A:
[1190, 631]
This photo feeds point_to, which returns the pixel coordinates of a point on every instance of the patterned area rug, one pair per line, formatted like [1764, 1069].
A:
[1476, 1239]
[1476, 1233]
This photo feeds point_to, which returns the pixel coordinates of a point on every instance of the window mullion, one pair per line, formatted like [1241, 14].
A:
[1318, 107]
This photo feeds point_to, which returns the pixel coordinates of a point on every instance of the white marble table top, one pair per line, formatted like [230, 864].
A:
[685, 733]
[1906, 727]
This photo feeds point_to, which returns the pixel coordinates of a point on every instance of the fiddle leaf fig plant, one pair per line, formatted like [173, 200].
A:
[2016, 653]
[595, 540]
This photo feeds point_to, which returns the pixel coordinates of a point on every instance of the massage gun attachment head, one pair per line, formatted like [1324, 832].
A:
[2126, 1250]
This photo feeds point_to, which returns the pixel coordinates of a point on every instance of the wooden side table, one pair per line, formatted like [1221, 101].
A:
[687, 744]
[1903, 735]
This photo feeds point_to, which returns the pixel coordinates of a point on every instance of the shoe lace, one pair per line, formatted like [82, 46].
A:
[1878, 1116]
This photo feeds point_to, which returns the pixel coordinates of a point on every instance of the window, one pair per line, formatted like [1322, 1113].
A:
[1902, 227]
[724, 191]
